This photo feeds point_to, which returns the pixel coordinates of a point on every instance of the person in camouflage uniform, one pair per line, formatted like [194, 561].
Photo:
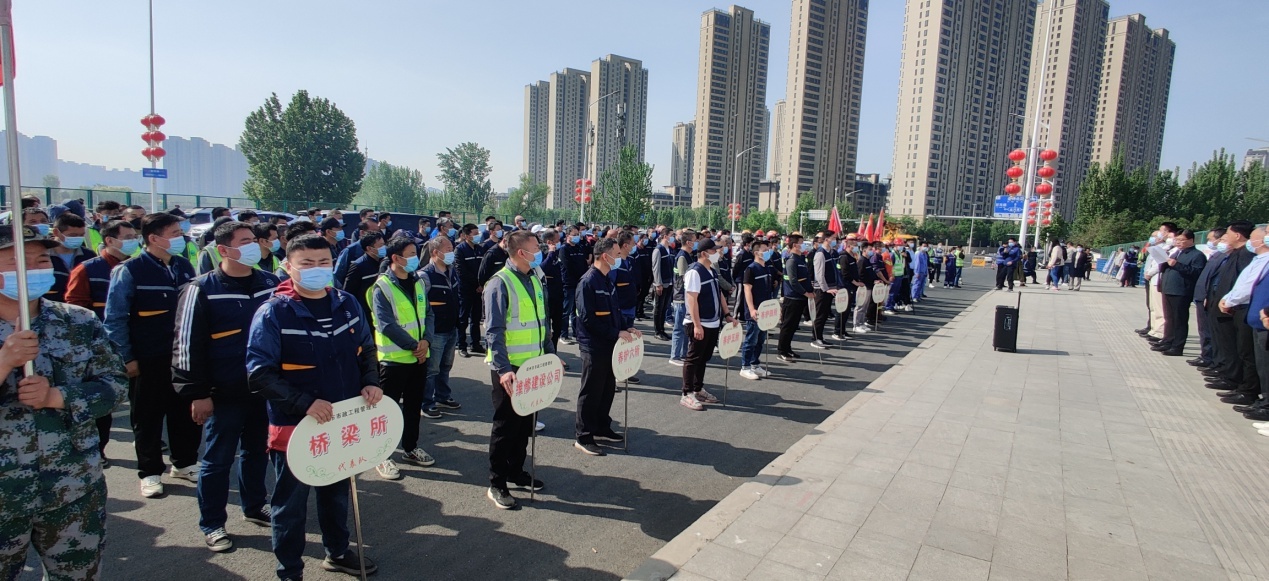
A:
[53, 491]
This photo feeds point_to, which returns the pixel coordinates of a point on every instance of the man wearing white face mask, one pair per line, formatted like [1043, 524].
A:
[707, 311]
[212, 318]
[140, 319]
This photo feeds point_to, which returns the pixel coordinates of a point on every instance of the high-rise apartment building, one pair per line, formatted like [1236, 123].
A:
[731, 95]
[1066, 89]
[537, 130]
[198, 167]
[778, 125]
[1136, 80]
[681, 151]
[565, 135]
[819, 142]
[1256, 156]
[962, 97]
[619, 91]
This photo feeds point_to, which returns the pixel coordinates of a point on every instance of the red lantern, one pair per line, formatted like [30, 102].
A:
[158, 152]
[153, 121]
[1048, 203]
[1046, 172]
[1017, 155]
[1034, 203]
[589, 190]
[1048, 155]
[577, 190]
[1013, 189]
[1044, 189]
[1031, 221]
[579, 181]
[147, 152]
[1014, 172]
[577, 199]
[153, 137]
[587, 199]
[590, 183]
[1046, 221]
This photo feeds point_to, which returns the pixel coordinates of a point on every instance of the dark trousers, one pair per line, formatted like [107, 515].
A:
[698, 353]
[594, 401]
[153, 401]
[846, 319]
[290, 516]
[645, 286]
[823, 307]
[234, 424]
[1004, 273]
[936, 271]
[1235, 350]
[791, 311]
[1176, 317]
[508, 439]
[103, 432]
[1204, 329]
[660, 306]
[1261, 340]
[404, 384]
[470, 311]
[555, 310]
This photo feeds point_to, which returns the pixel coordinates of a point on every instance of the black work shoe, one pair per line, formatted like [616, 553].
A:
[785, 357]
[449, 404]
[478, 349]
[1161, 346]
[1197, 362]
[1171, 352]
[611, 435]
[522, 481]
[662, 337]
[501, 498]
[589, 449]
[349, 563]
[431, 413]
[1230, 393]
[463, 353]
[1242, 399]
[1209, 372]
[262, 517]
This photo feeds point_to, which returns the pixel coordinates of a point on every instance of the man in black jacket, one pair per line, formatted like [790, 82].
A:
[1235, 359]
[213, 315]
[467, 257]
[1214, 261]
[1180, 274]
[363, 272]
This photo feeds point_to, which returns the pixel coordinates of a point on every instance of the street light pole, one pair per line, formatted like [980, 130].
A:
[735, 186]
[1034, 152]
[154, 163]
[586, 166]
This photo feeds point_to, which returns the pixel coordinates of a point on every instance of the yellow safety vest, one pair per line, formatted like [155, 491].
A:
[526, 319]
[960, 259]
[95, 240]
[410, 314]
[899, 263]
[211, 251]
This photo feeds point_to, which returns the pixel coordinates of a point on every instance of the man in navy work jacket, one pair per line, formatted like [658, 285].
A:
[328, 356]
[213, 316]
[599, 324]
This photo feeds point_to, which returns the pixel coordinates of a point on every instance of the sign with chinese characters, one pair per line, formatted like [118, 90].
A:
[842, 300]
[537, 383]
[880, 292]
[627, 358]
[358, 438]
[729, 340]
[769, 315]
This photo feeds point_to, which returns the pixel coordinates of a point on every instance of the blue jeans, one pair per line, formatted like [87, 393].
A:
[290, 514]
[570, 302]
[1055, 275]
[751, 349]
[439, 362]
[233, 423]
[894, 293]
[918, 286]
[678, 339]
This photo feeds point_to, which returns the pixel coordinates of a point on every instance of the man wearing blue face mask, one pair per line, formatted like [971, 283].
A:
[267, 238]
[333, 231]
[467, 257]
[403, 327]
[442, 299]
[662, 283]
[796, 291]
[363, 271]
[574, 262]
[1006, 257]
[212, 318]
[68, 229]
[140, 319]
[329, 355]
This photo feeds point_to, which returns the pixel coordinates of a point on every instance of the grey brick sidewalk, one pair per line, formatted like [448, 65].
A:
[1084, 456]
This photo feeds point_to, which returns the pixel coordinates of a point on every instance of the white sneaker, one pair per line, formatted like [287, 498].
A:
[538, 427]
[907, 308]
[1260, 425]
[887, 312]
[689, 401]
[388, 470]
[676, 362]
[862, 330]
[761, 371]
[749, 374]
[1263, 432]
[189, 473]
[151, 486]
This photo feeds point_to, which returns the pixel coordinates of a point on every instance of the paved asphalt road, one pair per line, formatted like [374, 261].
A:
[597, 519]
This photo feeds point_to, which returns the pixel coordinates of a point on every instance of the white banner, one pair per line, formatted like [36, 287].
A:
[880, 292]
[769, 315]
[627, 358]
[537, 383]
[729, 339]
[358, 438]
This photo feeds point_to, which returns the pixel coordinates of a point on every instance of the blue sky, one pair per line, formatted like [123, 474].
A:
[420, 76]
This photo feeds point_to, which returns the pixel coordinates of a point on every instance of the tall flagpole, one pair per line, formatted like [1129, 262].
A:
[15, 177]
[1033, 153]
[154, 162]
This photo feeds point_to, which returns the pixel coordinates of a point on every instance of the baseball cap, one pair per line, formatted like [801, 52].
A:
[28, 235]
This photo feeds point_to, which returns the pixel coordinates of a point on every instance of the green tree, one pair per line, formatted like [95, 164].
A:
[306, 152]
[806, 202]
[527, 199]
[52, 181]
[761, 220]
[623, 193]
[465, 172]
[394, 188]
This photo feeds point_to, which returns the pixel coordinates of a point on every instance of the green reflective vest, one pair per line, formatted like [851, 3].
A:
[214, 254]
[960, 259]
[94, 240]
[409, 313]
[526, 319]
[899, 263]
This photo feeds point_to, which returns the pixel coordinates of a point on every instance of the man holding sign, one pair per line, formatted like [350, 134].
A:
[706, 306]
[516, 330]
[599, 324]
[310, 346]
[755, 290]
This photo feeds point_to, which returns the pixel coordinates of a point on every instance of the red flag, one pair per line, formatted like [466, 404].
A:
[881, 226]
[860, 231]
[835, 222]
[866, 231]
